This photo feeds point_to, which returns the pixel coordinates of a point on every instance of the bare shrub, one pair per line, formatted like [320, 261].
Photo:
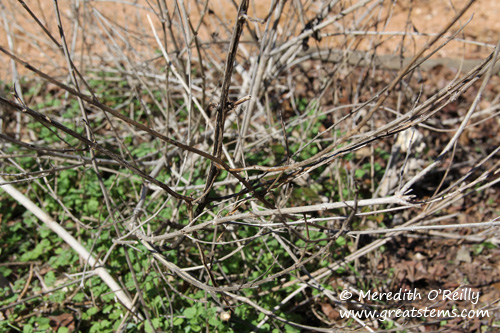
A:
[240, 156]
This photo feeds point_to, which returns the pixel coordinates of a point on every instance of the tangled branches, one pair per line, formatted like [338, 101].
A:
[256, 176]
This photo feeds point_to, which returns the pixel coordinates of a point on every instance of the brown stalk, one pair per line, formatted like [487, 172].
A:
[222, 107]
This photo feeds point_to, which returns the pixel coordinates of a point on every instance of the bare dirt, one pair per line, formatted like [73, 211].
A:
[416, 17]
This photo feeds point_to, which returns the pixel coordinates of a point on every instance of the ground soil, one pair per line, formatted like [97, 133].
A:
[425, 17]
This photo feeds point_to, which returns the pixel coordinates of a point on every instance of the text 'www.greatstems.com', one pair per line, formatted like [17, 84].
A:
[414, 313]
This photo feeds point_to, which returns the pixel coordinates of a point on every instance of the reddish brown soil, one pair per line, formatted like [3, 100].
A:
[422, 16]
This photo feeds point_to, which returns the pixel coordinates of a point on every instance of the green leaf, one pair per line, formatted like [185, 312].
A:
[40, 249]
[148, 327]
[79, 297]
[5, 271]
[190, 312]
[291, 329]
[107, 308]
[43, 324]
[489, 245]
[116, 314]
[195, 328]
[341, 241]
[340, 270]
[214, 321]
[178, 321]
[92, 311]
[50, 278]
[359, 173]
[93, 205]
[28, 329]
